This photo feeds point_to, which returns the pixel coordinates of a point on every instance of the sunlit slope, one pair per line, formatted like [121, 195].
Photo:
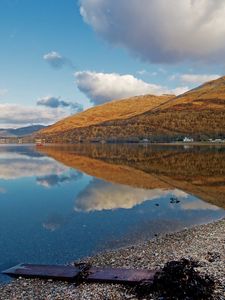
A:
[199, 113]
[114, 110]
[210, 95]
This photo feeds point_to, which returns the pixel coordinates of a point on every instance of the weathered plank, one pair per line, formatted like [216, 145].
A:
[112, 275]
[71, 273]
[68, 273]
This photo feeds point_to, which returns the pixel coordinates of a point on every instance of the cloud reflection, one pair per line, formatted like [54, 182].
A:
[16, 166]
[54, 222]
[55, 180]
[100, 195]
[198, 205]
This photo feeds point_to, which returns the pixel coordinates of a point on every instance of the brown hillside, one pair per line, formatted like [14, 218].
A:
[114, 110]
[199, 113]
[210, 95]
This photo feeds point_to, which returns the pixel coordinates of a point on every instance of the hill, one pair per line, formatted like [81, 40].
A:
[23, 131]
[199, 113]
[114, 110]
[210, 95]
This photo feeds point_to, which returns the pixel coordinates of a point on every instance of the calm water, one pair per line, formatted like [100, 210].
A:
[58, 204]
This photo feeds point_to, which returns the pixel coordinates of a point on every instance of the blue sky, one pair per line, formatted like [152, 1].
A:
[105, 50]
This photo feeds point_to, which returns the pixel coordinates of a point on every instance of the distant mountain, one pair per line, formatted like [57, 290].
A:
[199, 113]
[23, 131]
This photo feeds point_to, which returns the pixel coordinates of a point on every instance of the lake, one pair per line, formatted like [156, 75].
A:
[62, 203]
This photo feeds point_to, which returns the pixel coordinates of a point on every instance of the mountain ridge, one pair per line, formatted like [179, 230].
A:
[104, 112]
[199, 113]
[22, 131]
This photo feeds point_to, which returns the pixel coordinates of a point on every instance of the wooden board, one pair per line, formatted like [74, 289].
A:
[70, 273]
[127, 276]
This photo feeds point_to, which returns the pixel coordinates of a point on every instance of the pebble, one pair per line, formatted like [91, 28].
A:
[205, 243]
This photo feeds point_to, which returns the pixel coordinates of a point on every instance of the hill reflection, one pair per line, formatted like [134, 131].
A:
[199, 171]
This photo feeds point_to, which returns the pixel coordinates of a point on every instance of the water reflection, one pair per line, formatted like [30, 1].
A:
[197, 170]
[197, 205]
[100, 195]
[55, 180]
[15, 165]
[58, 204]
[54, 222]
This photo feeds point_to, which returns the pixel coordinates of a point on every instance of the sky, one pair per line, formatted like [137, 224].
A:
[59, 57]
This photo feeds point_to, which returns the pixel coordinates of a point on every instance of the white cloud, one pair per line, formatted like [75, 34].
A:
[102, 87]
[53, 55]
[19, 115]
[197, 78]
[54, 59]
[142, 72]
[106, 196]
[57, 61]
[180, 90]
[161, 30]
[55, 102]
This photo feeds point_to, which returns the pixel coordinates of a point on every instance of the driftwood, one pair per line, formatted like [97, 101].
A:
[176, 280]
[82, 273]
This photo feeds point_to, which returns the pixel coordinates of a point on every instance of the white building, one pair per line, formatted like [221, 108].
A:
[188, 140]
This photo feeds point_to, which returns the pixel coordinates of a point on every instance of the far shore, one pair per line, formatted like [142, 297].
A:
[193, 143]
[120, 143]
[203, 243]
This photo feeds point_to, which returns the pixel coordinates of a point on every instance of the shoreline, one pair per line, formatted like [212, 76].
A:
[122, 143]
[204, 243]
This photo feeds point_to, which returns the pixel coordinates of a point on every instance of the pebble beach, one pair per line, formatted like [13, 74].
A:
[204, 243]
